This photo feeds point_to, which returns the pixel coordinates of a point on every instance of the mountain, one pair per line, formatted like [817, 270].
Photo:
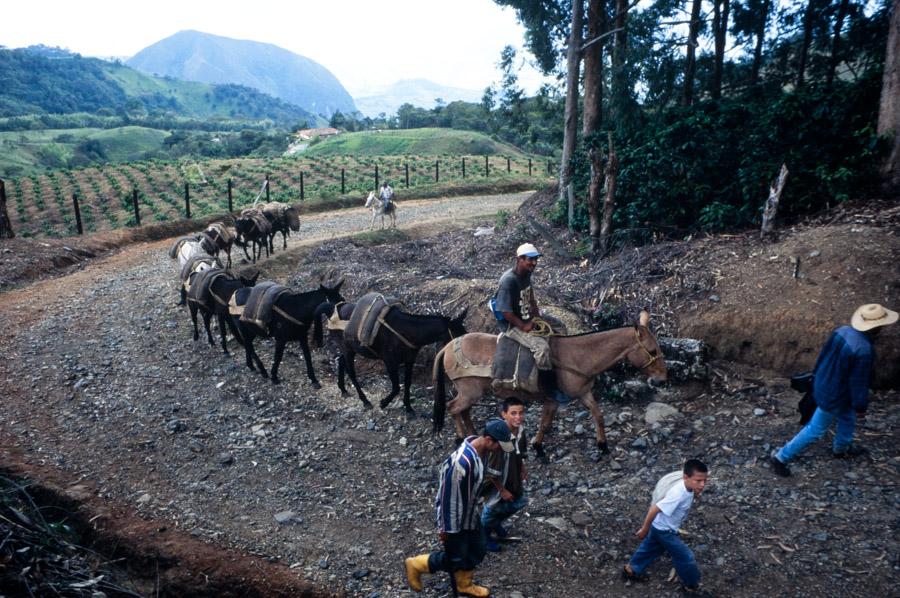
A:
[197, 56]
[41, 81]
[418, 92]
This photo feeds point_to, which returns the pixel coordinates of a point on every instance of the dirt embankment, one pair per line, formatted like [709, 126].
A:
[187, 452]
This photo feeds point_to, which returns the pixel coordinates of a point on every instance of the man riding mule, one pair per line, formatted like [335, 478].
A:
[577, 359]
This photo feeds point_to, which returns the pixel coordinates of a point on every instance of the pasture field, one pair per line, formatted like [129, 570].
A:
[41, 205]
[424, 141]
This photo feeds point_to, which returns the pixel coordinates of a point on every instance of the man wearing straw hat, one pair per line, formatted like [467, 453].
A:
[840, 387]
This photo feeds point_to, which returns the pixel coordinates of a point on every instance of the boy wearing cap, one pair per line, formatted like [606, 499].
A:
[457, 512]
[840, 387]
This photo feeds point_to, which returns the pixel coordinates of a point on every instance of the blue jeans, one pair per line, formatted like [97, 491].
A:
[655, 543]
[493, 516]
[462, 552]
[816, 428]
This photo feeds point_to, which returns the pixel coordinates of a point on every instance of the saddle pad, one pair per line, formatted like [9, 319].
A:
[366, 318]
[258, 309]
[335, 322]
[196, 263]
[201, 283]
[463, 366]
[514, 367]
[233, 308]
[176, 247]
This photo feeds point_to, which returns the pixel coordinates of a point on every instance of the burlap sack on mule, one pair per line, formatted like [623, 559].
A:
[514, 368]
[258, 309]
[365, 321]
[200, 283]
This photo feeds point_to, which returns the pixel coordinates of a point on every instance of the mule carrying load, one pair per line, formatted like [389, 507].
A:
[217, 237]
[210, 294]
[273, 310]
[192, 266]
[368, 318]
[255, 230]
[577, 360]
[283, 218]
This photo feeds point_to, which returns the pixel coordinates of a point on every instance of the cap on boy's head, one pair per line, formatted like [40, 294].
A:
[527, 250]
[499, 431]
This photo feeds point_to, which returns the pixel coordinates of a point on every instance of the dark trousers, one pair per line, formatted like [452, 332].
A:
[462, 552]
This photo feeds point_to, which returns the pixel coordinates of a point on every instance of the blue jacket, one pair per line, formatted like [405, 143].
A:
[843, 372]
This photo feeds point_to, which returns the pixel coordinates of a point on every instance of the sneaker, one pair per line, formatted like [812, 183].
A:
[850, 452]
[491, 545]
[779, 467]
[501, 532]
[629, 576]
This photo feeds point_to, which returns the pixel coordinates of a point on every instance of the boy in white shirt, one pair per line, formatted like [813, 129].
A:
[660, 529]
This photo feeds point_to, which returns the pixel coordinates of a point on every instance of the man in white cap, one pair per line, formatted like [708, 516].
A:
[457, 513]
[515, 299]
[840, 387]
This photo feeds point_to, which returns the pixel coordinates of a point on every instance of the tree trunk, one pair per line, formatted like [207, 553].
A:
[609, 202]
[690, 62]
[619, 93]
[808, 18]
[771, 208]
[6, 231]
[571, 125]
[889, 107]
[720, 29]
[595, 192]
[593, 69]
[760, 38]
[836, 41]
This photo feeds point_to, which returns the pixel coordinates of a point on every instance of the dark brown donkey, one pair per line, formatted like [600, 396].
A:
[210, 296]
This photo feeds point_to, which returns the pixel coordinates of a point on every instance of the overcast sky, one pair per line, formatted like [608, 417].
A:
[365, 43]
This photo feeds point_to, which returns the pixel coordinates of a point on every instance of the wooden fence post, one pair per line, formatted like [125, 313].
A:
[437, 171]
[549, 167]
[529, 166]
[137, 209]
[342, 182]
[78, 225]
[187, 200]
[406, 167]
[376, 177]
[486, 165]
[6, 230]
[301, 186]
[508, 165]
[230, 200]
[771, 205]
[464, 167]
[267, 188]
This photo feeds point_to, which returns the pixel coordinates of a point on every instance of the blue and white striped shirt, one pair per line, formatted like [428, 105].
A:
[457, 497]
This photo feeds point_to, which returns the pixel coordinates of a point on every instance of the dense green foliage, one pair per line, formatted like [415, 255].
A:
[710, 165]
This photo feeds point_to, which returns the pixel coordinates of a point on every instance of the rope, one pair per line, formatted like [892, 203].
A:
[542, 328]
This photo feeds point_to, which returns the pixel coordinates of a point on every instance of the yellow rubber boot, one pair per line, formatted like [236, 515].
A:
[464, 585]
[415, 567]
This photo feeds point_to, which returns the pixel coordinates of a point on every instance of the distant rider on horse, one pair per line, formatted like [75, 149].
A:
[387, 196]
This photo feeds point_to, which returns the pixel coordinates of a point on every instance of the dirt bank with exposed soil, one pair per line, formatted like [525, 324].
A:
[103, 388]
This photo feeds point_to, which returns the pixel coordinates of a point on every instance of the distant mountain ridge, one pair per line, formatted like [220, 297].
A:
[418, 92]
[196, 56]
[41, 80]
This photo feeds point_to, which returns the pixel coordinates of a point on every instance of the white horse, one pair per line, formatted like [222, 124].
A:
[377, 205]
[188, 250]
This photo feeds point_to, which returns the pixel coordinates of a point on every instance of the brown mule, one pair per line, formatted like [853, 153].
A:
[577, 360]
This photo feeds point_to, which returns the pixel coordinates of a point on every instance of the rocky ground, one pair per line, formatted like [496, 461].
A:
[103, 388]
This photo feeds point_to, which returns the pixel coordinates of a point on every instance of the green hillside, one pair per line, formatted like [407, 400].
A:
[51, 81]
[432, 141]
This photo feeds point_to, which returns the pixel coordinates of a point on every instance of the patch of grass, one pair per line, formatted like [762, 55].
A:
[427, 141]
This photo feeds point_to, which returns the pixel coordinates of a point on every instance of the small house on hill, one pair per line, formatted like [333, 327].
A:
[321, 133]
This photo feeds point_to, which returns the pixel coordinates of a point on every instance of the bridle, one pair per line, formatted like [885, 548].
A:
[651, 357]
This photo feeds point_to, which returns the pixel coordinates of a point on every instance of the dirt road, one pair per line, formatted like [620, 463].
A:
[184, 449]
